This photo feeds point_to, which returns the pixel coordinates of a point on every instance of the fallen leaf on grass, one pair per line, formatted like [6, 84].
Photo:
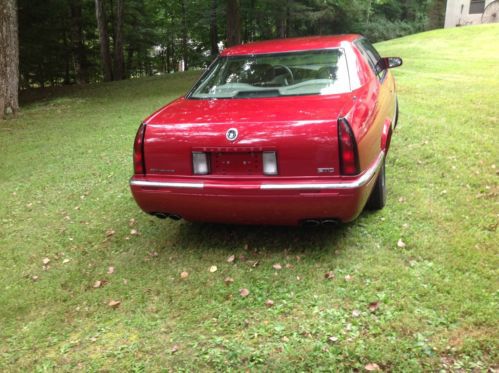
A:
[114, 303]
[231, 259]
[401, 243]
[34, 278]
[131, 222]
[277, 266]
[269, 303]
[45, 261]
[213, 269]
[65, 261]
[289, 266]
[228, 280]
[244, 293]
[134, 232]
[355, 313]
[110, 232]
[110, 270]
[348, 278]
[99, 283]
[184, 274]
[329, 275]
[372, 367]
[153, 254]
[174, 349]
[255, 264]
[332, 339]
[373, 306]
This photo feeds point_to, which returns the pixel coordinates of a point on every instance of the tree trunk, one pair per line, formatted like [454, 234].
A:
[78, 46]
[252, 22]
[104, 41]
[281, 23]
[184, 36]
[173, 62]
[167, 57]
[67, 57]
[129, 60]
[9, 58]
[119, 65]
[233, 23]
[288, 17]
[368, 13]
[437, 14]
[213, 29]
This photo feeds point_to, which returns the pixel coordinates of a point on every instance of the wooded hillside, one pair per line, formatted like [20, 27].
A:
[79, 41]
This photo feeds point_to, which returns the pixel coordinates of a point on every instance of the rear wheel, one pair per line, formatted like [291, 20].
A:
[377, 199]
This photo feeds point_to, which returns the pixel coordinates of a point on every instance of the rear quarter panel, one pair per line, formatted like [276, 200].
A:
[372, 111]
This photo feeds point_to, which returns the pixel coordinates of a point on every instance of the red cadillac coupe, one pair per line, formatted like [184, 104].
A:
[281, 132]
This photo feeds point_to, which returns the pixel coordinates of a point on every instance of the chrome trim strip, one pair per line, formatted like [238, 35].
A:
[361, 181]
[160, 184]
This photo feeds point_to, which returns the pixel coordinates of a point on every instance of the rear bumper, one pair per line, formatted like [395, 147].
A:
[246, 201]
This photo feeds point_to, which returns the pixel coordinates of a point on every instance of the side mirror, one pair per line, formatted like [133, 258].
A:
[390, 62]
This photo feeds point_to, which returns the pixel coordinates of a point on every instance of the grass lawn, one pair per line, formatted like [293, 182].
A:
[430, 305]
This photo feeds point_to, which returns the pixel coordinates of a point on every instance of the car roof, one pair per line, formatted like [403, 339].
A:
[290, 45]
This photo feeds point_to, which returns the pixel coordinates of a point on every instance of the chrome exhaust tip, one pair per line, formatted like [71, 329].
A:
[160, 215]
[311, 223]
[330, 222]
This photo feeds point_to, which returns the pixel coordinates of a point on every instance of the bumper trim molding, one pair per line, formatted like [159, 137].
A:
[357, 183]
[162, 184]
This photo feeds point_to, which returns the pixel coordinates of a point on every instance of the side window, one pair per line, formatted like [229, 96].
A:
[477, 6]
[372, 56]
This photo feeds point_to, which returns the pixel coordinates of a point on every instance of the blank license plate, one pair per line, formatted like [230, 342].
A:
[236, 163]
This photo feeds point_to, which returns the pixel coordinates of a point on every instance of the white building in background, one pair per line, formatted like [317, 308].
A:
[471, 12]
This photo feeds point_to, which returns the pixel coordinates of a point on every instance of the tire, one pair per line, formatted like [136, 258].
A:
[377, 199]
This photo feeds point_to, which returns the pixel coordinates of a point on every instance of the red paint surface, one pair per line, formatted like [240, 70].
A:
[290, 45]
[301, 129]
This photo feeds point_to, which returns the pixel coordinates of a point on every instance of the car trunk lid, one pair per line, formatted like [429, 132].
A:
[300, 130]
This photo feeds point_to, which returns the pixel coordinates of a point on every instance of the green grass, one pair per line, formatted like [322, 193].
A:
[64, 172]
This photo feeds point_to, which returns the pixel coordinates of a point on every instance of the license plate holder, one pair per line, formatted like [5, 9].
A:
[236, 163]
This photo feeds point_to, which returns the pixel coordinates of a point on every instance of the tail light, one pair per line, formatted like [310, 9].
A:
[138, 151]
[269, 163]
[200, 164]
[349, 155]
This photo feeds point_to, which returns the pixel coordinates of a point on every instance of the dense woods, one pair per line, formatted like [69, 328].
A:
[81, 41]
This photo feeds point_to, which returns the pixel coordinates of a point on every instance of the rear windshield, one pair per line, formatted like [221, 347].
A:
[318, 72]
